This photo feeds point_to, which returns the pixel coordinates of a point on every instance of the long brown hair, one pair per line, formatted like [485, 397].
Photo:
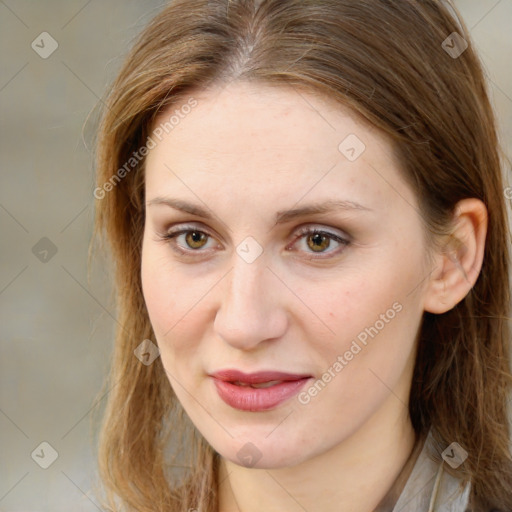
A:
[389, 61]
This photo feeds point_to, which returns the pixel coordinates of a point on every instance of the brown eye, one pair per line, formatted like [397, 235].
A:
[318, 242]
[314, 240]
[195, 239]
[187, 241]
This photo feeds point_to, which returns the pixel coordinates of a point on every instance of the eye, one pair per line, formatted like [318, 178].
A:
[193, 239]
[318, 240]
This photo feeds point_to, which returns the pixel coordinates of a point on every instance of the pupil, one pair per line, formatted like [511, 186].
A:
[318, 241]
[194, 237]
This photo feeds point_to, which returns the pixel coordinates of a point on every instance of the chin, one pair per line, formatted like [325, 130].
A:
[261, 453]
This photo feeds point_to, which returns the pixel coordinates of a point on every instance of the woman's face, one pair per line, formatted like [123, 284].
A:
[248, 286]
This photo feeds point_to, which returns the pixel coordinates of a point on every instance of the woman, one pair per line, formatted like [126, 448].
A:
[306, 213]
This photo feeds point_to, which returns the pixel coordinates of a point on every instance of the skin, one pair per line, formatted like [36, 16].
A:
[244, 153]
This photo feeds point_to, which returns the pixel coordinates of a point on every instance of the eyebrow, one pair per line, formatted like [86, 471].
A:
[327, 206]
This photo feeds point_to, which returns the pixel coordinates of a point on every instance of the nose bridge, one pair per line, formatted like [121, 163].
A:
[246, 283]
[249, 313]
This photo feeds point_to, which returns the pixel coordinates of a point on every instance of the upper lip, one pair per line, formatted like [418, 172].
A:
[256, 377]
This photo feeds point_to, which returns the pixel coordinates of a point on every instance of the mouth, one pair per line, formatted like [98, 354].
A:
[259, 391]
[258, 386]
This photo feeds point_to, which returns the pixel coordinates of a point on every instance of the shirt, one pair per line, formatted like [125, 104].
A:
[430, 488]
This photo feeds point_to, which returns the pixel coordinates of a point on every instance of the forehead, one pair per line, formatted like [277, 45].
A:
[277, 142]
[248, 117]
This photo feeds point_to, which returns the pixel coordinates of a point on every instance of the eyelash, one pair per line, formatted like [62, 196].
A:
[302, 232]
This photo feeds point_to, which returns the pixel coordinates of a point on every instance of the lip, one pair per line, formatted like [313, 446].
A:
[246, 398]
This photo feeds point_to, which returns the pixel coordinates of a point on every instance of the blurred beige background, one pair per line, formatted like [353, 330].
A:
[56, 325]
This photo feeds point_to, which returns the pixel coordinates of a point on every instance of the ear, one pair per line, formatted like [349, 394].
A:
[458, 264]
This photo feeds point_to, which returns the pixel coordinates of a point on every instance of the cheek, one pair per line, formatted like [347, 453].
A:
[174, 302]
[372, 318]
[370, 353]
[158, 296]
[164, 294]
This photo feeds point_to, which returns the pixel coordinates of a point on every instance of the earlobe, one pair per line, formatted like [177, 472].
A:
[458, 264]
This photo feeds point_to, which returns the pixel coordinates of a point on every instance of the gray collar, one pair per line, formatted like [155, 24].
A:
[432, 489]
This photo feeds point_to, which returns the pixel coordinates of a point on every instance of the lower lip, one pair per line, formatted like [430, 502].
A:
[246, 398]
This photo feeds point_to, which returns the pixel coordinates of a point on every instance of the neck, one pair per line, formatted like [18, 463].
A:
[367, 471]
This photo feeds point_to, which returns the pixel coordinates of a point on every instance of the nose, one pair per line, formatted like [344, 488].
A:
[251, 306]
